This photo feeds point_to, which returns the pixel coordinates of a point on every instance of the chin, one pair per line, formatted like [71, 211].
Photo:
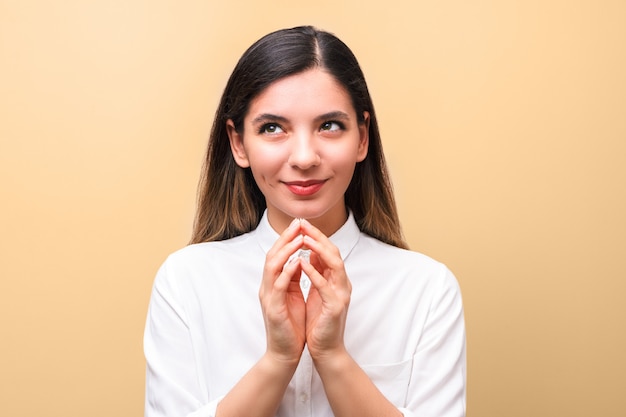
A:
[309, 213]
[317, 211]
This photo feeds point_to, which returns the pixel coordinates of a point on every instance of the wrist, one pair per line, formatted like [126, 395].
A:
[332, 362]
[279, 363]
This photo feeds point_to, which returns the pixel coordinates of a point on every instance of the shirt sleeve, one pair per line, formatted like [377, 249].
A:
[438, 381]
[172, 381]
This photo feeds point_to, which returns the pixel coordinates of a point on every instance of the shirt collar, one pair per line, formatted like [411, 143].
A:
[345, 238]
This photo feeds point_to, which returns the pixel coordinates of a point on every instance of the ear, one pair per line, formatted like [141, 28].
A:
[236, 145]
[364, 137]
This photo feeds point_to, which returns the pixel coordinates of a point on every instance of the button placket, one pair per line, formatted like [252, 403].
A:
[305, 285]
[304, 379]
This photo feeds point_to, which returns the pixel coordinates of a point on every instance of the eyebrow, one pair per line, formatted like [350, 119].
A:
[268, 117]
[333, 115]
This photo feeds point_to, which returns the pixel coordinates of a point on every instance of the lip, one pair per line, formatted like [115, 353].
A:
[305, 188]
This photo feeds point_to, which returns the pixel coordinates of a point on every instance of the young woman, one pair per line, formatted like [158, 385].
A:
[295, 200]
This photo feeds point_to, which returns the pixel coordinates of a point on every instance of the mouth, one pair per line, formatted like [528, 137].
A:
[305, 188]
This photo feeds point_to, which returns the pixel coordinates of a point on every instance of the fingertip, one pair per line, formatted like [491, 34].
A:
[312, 273]
[292, 262]
[289, 270]
[305, 224]
[295, 223]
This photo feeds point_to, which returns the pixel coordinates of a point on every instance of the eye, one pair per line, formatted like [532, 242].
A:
[271, 129]
[332, 126]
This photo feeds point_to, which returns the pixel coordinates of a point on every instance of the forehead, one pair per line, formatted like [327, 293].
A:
[312, 92]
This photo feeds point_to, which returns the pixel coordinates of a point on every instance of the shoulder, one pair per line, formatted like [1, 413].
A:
[384, 253]
[401, 264]
[201, 252]
[209, 259]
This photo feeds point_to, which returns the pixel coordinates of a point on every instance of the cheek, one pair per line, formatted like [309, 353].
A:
[342, 170]
[344, 158]
[265, 159]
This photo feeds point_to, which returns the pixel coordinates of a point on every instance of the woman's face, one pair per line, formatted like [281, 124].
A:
[302, 140]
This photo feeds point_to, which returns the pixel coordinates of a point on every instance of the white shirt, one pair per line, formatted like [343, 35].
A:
[205, 329]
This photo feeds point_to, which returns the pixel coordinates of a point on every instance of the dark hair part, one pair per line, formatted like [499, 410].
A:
[229, 201]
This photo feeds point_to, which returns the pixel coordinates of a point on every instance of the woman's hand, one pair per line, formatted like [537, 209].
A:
[329, 297]
[349, 390]
[281, 298]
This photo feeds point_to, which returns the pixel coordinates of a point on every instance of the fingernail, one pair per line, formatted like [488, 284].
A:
[293, 258]
[294, 222]
[305, 255]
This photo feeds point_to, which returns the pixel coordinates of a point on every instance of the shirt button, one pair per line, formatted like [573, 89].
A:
[303, 397]
[305, 283]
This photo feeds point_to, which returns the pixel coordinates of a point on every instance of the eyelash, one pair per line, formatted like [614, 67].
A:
[340, 125]
[264, 128]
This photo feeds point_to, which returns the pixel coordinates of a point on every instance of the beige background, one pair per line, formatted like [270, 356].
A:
[504, 123]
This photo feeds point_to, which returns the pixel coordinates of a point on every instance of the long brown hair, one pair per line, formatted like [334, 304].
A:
[229, 201]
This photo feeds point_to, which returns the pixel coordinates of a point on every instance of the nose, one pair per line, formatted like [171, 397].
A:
[304, 153]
